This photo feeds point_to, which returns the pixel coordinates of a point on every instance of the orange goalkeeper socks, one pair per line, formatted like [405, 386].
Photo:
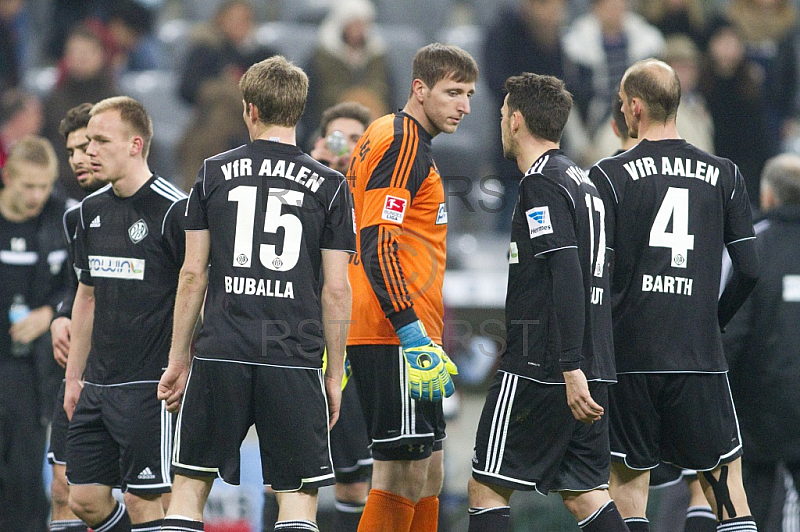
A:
[386, 512]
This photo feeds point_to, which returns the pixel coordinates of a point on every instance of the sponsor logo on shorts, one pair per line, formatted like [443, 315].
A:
[116, 267]
[146, 474]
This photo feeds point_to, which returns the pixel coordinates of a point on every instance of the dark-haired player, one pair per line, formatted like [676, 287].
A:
[671, 209]
[73, 127]
[543, 426]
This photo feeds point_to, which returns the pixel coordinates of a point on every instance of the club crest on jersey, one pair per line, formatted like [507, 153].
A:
[441, 216]
[513, 253]
[539, 221]
[394, 209]
[137, 231]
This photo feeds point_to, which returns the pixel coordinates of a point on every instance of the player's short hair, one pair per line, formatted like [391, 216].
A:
[436, 61]
[657, 85]
[132, 113]
[782, 174]
[33, 150]
[544, 102]
[75, 119]
[619, 117]
[352, 110]
[278, 89]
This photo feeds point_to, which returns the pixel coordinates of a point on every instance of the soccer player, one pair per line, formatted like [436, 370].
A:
[553, 380]
[33, 269]
[272, 222]
[73, 127]
[352, 459]
[397, 276]
[670, 210]
[129, 246]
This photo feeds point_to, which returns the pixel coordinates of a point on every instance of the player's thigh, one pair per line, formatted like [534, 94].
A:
[523, 434]
[352, 459]
[142, 427]
[634, 420]
[586, 463]
[92, 453]
[699, 426]
[291, 417]
[216, 413]
[400, 428]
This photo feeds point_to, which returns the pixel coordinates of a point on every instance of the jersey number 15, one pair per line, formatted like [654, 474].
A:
[245, 196]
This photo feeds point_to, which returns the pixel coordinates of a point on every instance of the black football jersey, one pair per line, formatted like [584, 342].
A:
[671, 208]
[557, 208]
[131, 250]
[270, 210]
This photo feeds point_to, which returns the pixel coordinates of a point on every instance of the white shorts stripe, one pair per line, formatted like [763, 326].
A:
[500, 422]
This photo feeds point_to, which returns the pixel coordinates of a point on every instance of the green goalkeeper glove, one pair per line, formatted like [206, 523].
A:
[429, 368]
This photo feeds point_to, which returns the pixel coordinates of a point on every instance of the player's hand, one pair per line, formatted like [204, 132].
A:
[172, 385]
[429, 368]
[59, 332]
[32, 327]
[333, 390]
[72, 392]
[579, 400]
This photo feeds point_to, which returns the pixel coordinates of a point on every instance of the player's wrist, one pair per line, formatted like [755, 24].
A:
[413, 335]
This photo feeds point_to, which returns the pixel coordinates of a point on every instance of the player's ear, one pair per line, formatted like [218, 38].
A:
[418, 90]
[137, 145]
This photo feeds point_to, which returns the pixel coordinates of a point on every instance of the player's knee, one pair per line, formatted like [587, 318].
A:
[138, 503]
[84, 506]
[351, 492]
[729, 497]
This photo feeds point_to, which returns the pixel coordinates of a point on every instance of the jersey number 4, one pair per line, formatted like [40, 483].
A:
[675, 207]
[245, 196]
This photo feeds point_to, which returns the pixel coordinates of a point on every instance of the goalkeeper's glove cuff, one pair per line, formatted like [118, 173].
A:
[413, 335]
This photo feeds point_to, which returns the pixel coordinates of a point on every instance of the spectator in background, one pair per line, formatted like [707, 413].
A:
[762, 343]
[222, 50]
[216, 126]
[10, 43]
[678, 17]
[34, 271]
[731, 87]
[83, 76]
[525, 38]
[20, 116]
[769, 30]
[349, 62]
[603, 43]
[129, 37]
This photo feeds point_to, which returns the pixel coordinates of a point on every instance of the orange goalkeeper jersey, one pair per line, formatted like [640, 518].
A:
[401, 216]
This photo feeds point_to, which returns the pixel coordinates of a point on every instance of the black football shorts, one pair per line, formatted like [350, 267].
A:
[288, 406]
[685, 419]
[400, 428]
[528, 439]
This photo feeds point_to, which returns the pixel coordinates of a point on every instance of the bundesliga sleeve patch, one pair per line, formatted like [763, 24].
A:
[539, 221]
[394, 209]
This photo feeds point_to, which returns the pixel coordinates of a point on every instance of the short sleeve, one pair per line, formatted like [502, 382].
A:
[174, 235]
[195, 213]
[340, 224]
[548, 210]
[81, 258]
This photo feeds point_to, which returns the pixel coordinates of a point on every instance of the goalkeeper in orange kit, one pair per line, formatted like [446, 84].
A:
[401, 371]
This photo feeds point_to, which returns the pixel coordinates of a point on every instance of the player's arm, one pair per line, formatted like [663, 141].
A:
[744, 276]
[62, 322]
[80, 344]
[569, 302]
[336, 306]
[192, 284]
